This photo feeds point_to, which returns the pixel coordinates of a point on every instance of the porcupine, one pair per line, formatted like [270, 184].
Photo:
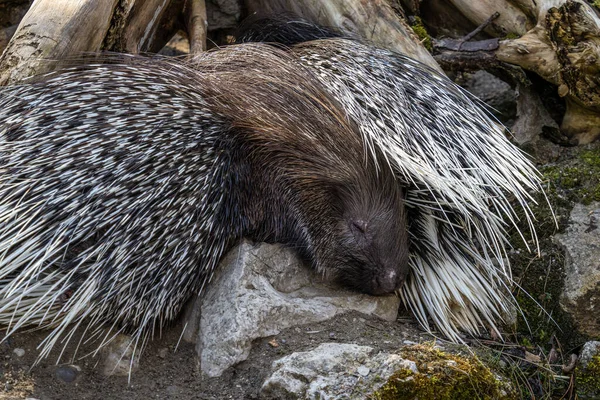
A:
[123, 182]
[460, 170]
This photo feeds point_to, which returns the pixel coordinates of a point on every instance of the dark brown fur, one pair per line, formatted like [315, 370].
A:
[303, 176]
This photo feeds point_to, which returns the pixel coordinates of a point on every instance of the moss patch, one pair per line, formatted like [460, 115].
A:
[419, 28]
[442, 376]
[588, 379]
[512, 35]
[578, 181]
[574, 177]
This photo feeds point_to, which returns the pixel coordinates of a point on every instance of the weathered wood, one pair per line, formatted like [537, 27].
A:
[564, 48]
[373, 20]
[511, 18]
[532, 51]
[54, 30]
[582, 123]
[559, 40]
[140, 26]
[197, 25]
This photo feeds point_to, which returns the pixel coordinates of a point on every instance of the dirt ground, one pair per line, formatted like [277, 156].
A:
[168, 374]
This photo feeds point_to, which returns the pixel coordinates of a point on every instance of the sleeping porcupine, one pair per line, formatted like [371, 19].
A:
[460, 172]
[122, 183]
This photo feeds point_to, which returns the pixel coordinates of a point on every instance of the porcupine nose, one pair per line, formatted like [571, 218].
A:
[386, 283]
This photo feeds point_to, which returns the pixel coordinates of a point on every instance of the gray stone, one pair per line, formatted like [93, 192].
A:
[581, 241]
[497, 94]
[19, 352]
[533, 118]
[259, 290]
[223, 14]
[119, 357]
[332, 371]
[68, 373]
[589, 350]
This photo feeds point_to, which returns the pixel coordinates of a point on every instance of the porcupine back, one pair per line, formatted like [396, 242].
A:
[462, 174]
[123, 182]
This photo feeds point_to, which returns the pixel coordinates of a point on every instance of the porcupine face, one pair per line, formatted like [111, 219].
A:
[371, 246]
[365, 248]
[352, 230]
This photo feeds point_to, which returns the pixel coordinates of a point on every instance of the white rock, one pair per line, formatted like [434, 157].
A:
[259, 290]
[332, 371]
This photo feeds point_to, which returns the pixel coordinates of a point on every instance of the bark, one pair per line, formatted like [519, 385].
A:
[374, 20]
[46, 34]
[196, 18]
[140, 26]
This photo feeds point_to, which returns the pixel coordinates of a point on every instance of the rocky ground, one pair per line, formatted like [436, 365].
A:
[166, 373]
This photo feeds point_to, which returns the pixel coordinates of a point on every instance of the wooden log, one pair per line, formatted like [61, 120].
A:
[197, 25]
[140, 26]
[532, 51]
[564, 48]
[511, 18]
[373, 20]
[54, 30]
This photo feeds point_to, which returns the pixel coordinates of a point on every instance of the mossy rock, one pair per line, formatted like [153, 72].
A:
[588, 379]
[442, 376]
[573, 178]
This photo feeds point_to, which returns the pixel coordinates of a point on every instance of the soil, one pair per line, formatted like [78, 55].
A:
[166, 373]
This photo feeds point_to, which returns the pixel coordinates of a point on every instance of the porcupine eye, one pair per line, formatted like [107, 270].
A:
[359, 229]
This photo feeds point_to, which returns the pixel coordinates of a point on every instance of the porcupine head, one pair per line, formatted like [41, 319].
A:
[314, 185]
[352, 228]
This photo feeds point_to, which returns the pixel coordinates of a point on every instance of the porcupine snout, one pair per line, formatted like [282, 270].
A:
[388, 281]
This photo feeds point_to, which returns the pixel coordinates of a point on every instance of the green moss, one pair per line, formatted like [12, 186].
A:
[580, 182]
[512, 35]
[442, 376]
[421, 32]
[596, 3]
[588, 379]
[573, 179]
